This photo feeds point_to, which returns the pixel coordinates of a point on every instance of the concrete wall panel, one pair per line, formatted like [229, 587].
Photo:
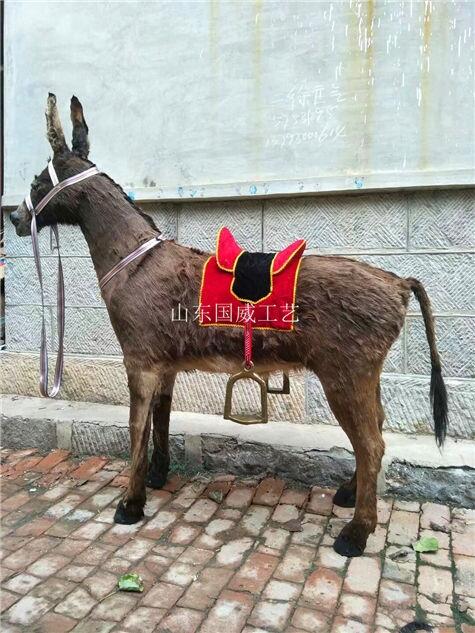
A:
[455, 342]
[165, 216]
[442, 219]
[89, 331]
[23, 332]
[447, 278]
[199, 223]
[337, 223]
[407, 406]
[81, 285]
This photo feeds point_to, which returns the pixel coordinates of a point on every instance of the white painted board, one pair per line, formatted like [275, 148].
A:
[237, 98]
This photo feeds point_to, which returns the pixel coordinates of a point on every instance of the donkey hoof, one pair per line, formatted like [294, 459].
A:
[345, 497]
[125, 517]
[157, 480]
[344, 546]
[157, 477]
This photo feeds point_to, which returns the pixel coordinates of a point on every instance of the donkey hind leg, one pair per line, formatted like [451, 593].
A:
[160, 462]
[141, 387]
[356, 410]
[345, 496]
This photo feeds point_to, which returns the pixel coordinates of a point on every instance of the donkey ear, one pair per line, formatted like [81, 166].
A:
[80, 129]
[54, 129]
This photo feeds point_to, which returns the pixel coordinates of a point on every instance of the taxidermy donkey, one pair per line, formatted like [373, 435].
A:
[349, 315]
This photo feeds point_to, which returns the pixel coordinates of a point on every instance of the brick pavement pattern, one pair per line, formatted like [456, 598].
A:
[218, 555]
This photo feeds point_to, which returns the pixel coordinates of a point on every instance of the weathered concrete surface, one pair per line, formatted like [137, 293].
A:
[103, 380]
[302, 465]
[406, 403]
[310, 455]
[454, 485]
[268, 123]
[22, 431]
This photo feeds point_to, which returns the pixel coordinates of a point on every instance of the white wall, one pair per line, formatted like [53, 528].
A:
[186, 99]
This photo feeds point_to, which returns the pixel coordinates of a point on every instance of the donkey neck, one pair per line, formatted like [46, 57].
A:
[112, 226]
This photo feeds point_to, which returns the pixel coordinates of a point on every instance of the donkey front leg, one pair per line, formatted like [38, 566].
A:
[142, 385]
[160, 462]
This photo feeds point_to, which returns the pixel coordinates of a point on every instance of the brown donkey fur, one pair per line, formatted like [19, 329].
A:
[349, 316]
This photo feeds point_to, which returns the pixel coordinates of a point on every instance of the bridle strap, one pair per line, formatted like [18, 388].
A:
[60, 302]
[138, 252]
[72, 180]
[141, 250]
[52, 173]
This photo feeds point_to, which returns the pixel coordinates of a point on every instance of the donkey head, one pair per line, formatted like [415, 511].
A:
[63, 208]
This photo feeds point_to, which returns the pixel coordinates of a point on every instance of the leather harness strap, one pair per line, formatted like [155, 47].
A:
[141, 250]
[58, 372]
[92, 171]
[60, 302]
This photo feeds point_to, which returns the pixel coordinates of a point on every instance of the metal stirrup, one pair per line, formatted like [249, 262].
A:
[246, 418]
[246, 373]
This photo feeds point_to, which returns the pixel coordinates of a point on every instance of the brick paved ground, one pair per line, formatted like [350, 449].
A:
[218, 555]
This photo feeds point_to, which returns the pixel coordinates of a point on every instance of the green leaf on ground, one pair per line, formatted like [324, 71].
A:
[426, 544]
[130, 582]
[216, 495]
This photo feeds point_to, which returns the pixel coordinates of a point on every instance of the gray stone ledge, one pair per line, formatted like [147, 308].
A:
[308, 454]
[406, 404]
[454, 485]
[102, 379]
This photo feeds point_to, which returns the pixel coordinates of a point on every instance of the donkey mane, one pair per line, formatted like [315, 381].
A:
[145, 216]
[116, 185]
[140, 211]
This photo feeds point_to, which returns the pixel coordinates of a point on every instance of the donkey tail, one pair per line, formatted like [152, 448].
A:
[438, 392]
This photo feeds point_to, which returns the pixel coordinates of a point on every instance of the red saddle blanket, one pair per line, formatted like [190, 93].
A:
[239, 287]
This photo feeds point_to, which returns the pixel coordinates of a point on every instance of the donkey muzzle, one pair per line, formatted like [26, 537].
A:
[22, 226]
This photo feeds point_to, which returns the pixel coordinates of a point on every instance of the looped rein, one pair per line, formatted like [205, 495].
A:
[60, 303]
